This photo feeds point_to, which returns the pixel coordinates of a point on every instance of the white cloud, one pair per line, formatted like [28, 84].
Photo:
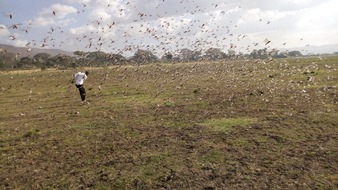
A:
[78, 1]
[108, 3]
[41, 21]
[56, 13]
[285, 5]
[14, 39]
[320, 17]
[99, 15]
[4, 31]
[57, 10]
[20, 43]
[82, 30]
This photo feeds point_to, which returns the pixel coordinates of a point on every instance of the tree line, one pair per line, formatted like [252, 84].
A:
[99, 58]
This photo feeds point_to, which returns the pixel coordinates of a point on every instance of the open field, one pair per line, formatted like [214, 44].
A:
[217, 125]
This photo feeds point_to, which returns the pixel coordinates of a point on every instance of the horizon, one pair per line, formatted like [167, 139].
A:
[329, 49]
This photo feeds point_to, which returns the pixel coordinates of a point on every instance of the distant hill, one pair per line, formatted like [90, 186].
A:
[324, 49]
[24, 53]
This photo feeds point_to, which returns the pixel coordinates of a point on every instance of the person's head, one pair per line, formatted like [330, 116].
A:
[87, 73]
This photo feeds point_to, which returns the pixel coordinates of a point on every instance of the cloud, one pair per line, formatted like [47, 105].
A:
[41, 21]
[110, 9]
[318, 18]
[82, 30]
[4, 31]
[286, 5]
[19, 43]
[100, 15]
[6, 37]
[78, 1]
[56, 13]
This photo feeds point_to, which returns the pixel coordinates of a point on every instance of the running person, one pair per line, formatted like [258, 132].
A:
[79, 78]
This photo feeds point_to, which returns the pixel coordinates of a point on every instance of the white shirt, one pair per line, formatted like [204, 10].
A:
[79, 78]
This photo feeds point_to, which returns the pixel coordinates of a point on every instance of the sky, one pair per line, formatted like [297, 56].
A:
[124, 26]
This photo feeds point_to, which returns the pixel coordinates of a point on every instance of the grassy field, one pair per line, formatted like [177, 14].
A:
[215, 125]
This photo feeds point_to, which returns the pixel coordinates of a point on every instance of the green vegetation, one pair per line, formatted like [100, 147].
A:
[206, 125]
[225, 124]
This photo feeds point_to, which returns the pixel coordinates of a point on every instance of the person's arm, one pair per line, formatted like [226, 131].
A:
[74, 78]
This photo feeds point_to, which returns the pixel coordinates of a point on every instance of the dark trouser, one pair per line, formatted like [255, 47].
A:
[82, 92]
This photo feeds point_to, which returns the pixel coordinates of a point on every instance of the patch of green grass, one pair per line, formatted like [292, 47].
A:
[31, 133]
[225, 124]
[261, 139]
[91, 126]
[213, 156]
[169, 104]
[240, 142]
[333, 177]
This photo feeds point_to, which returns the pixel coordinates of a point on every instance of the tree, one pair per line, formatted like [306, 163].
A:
[143, 56]
[273, 52]
[40, 59]
[25, 62]
[167, 57]
[254, 54]
[116, 59]
[186, 55]
[295, 53]
[61, 61]
[281, 55]
[259, 54]
[189, 55]
[80, 53]
[98, 56]
[102, 58]
[231, 54]
[262, 53]
[214, 54]
[196, 55]
[7, 60]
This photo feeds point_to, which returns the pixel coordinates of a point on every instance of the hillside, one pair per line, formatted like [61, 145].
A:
[324, 49]
[22, 51]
